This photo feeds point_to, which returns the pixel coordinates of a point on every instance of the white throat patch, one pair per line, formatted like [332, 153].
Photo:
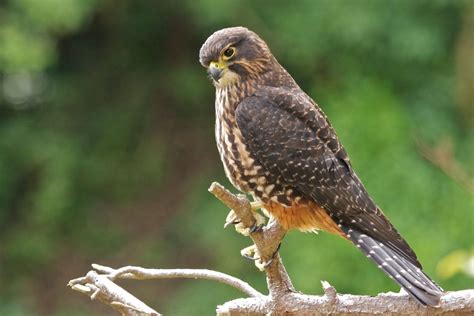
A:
[228, 77]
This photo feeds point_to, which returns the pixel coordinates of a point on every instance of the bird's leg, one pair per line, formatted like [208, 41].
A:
[233, 219]
[256, 227]
[251, 253]
[259, 263]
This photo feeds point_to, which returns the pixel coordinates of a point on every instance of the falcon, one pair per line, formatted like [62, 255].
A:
[276, 144]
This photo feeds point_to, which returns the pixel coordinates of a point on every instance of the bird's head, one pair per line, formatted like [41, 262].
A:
[234, 54]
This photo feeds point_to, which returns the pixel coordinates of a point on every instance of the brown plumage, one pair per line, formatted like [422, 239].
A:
[277, 144]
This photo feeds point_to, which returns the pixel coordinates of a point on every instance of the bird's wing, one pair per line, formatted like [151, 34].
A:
[293, 140]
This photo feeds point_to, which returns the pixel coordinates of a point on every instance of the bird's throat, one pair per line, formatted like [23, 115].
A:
[228, 78]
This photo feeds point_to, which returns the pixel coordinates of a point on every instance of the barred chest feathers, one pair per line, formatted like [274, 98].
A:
[241, 168]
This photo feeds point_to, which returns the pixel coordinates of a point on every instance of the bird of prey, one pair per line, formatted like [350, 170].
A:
[276, 144]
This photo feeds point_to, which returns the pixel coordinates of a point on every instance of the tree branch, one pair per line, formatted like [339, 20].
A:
[282, 298]
[267, 241]
[452, 303]
[139, 273]
[102, 288]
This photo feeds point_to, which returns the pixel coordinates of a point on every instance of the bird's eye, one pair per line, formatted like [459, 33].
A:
[229, 52]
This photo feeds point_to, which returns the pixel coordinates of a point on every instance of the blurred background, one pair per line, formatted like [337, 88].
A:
[107, 144]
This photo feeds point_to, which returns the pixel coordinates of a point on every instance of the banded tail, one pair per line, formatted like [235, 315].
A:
[405, 272]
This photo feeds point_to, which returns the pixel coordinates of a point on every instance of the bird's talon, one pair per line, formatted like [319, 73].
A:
[241, 229]
[231, 218]
[262, 265]
[250, 253]
[267, 263]
[248, 257]
[256, 228]
[231, 223]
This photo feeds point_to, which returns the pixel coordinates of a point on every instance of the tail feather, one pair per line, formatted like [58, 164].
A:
[401, 270]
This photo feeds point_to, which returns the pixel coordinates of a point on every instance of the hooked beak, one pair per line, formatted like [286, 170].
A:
[215, 71]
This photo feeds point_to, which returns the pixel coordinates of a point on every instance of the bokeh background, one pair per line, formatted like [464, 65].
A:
[107, 145]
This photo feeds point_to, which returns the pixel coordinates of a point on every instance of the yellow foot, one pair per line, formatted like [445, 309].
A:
[233, 219]
[262, 265]
[251, 253]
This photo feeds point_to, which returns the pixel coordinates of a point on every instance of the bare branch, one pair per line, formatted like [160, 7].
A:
[283, 298]
[239, 203]
[139, 273]
[452, 303]
[102, 288]
[267, 240]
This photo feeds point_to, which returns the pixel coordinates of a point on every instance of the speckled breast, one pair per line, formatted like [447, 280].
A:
[242, 169]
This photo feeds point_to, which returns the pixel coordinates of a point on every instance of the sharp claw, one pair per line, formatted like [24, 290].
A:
[249, 257]
[256, 228]
[231, 219]
[250, 253]
[231, 223]
[241, 229]
[267, 264]
[235, 222]
[262, 265]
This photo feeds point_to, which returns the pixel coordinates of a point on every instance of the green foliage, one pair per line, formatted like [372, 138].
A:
[107, 146]
[16, 51]
[29, 30]
[58, 16]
